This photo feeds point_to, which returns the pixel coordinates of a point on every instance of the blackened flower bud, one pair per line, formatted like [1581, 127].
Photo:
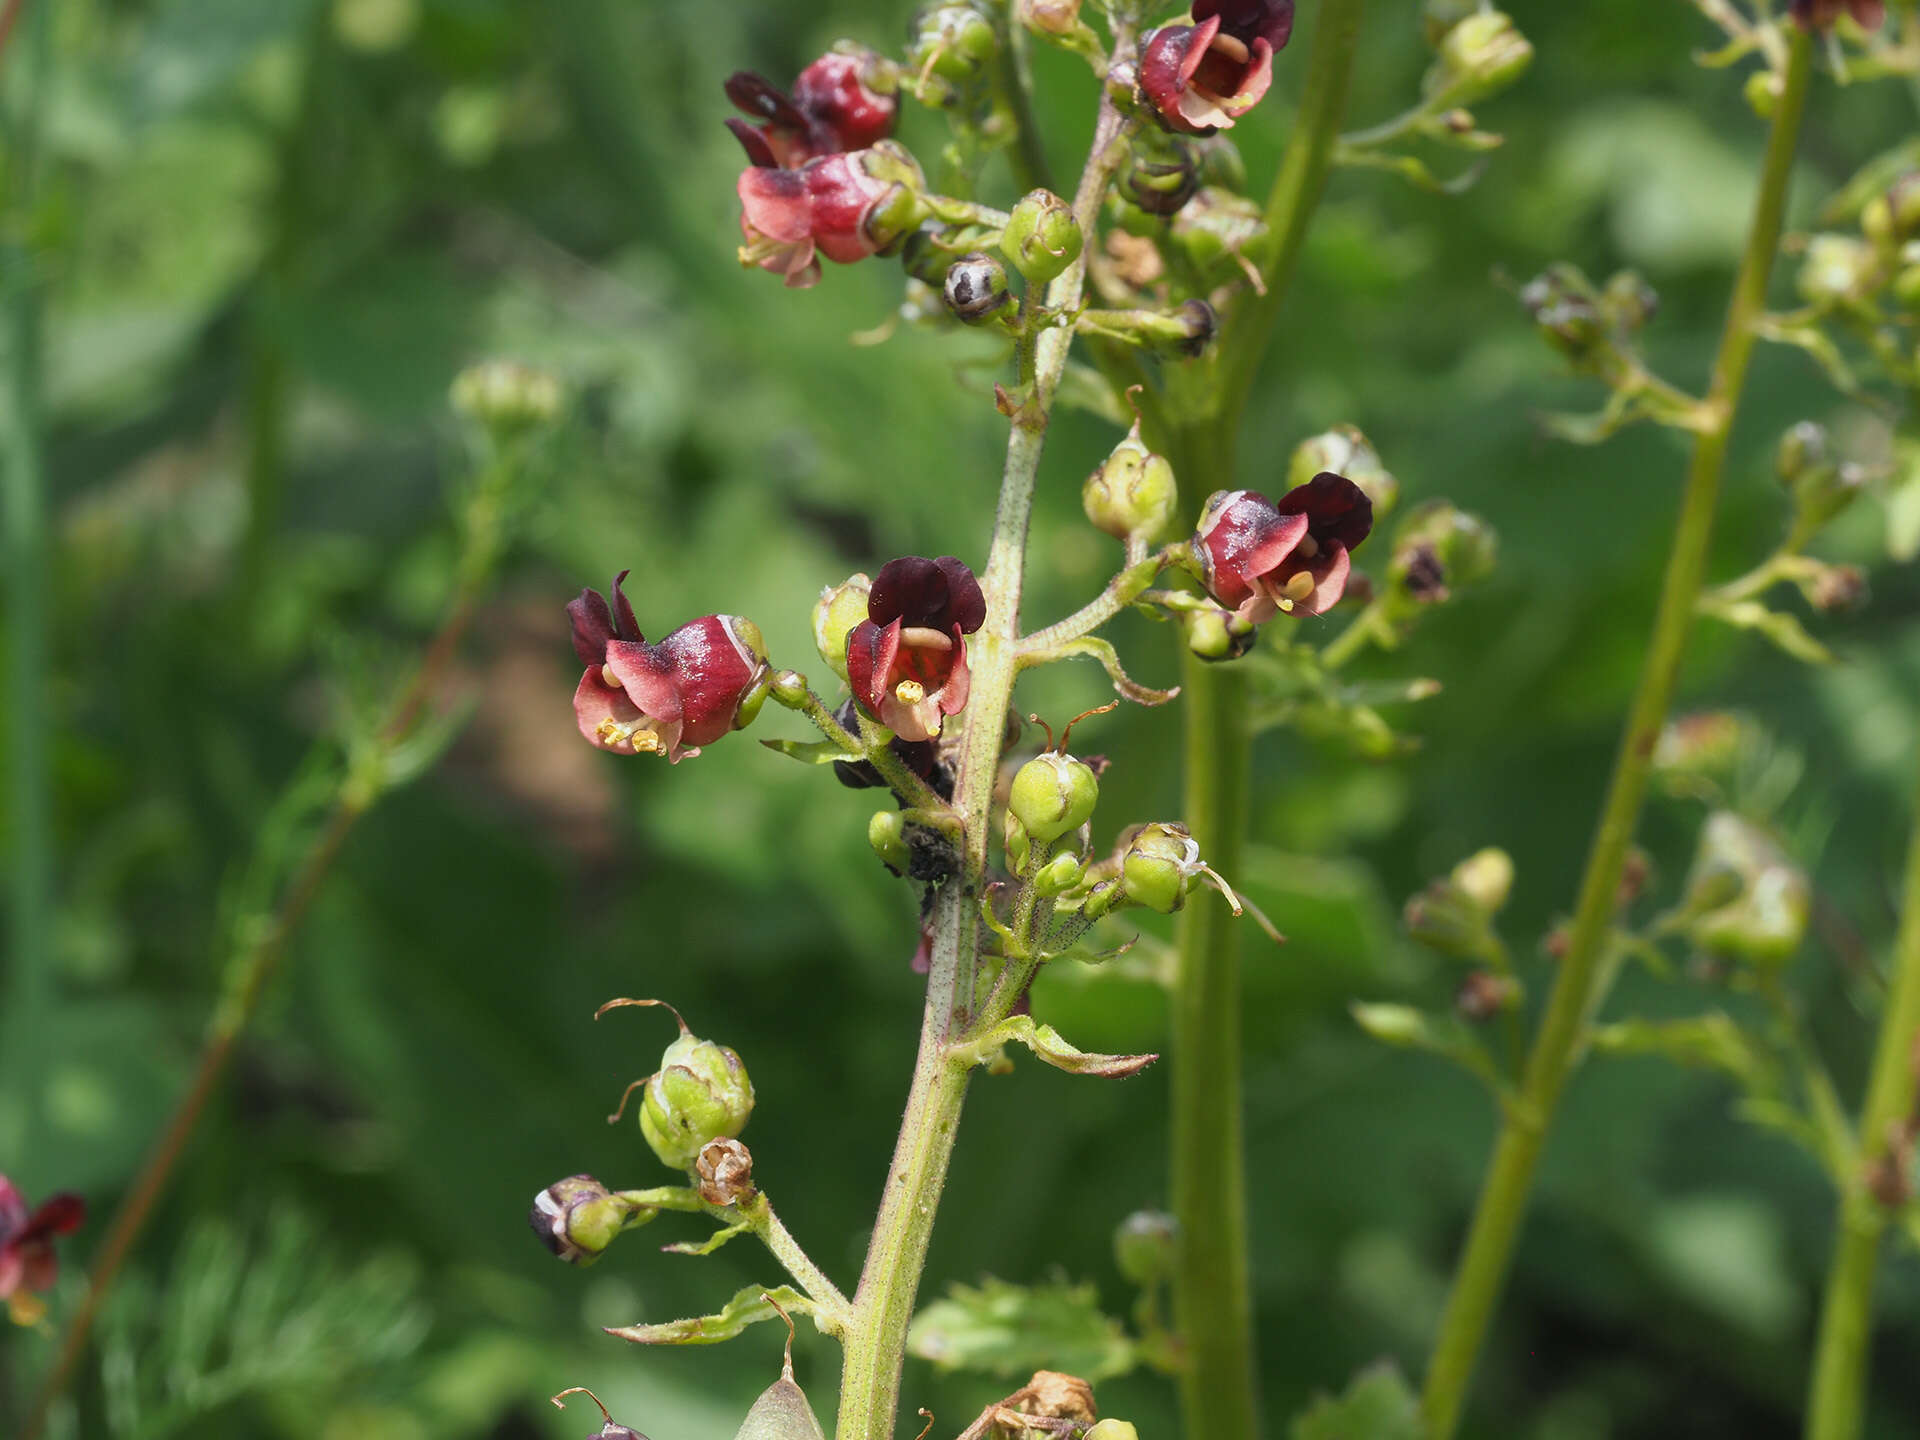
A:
[578, 1218]
[1837, 269]
[976, 288]
[1160, 183]
[1346, 451]
[1745, 899]
[1042, 237]
[1132, 494]
[839, 608]
[1053, 794]
[1437, 548]
[1567, 311]
[507, 397]
[1479, 57]
[725, 1168]
[1144, 1246]
[700, 1094]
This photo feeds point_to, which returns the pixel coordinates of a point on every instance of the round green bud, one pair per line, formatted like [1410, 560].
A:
[578, 1219]
[1111, 1429]
[1053, 794]
[1144, 1246]
[839, 608]
[1060, 874]
[887, 833]
[1132, 495]
[1486, 878]
[505, 396]
[1159, 183]
[1042, 238]
[1213, 634]
[954, 42]
[1346, 451]
[700, 1094]
[1479, 57]
[1159, 867]
[1836, 268]
[1763, 91]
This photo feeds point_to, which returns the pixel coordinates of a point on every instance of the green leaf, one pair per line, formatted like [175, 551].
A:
[1378, 1405]
[1046, 1042]
[814, 752]
[749, 1307]
[1013, 1330]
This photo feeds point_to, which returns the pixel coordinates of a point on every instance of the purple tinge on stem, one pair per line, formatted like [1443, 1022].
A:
[907, 661]
[1204, 76]
[1260, 558]
[666, 699]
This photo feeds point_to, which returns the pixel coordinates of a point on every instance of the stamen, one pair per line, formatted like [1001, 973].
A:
[1307, 548]
[925, 638]
[1232, 47]
[641, 735]
[609, 679]
[1285, 604]
[1299, 587]
[909, 692]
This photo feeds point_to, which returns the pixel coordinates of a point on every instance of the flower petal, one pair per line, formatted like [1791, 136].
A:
[775, 204]
[936, 594]
[1243, 536]
[871, 651]
[1338, 511]
[712, 669]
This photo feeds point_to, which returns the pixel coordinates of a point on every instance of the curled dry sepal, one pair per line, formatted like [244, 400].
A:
[1203, 77]
[704, 679]
[1259, 558]
[907, 661]
[28, 1264]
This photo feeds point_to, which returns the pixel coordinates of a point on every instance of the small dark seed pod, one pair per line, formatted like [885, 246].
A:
[976, 287]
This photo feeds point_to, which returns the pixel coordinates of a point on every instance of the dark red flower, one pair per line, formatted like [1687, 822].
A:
[666, 699]
[28, 1265]
[1820, 14]
[1204, 76]
[1260, 558]
[907, 661]
[845, 100]
[845, 207]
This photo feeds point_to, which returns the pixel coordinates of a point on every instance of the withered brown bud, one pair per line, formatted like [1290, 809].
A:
[725, 1168]
[1634, 874]
[1555, 942]
[1057, 1396]
[1837, 588]
[1483, 995]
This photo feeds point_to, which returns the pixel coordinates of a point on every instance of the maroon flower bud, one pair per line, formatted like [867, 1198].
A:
[1261, 558]
[845, 207]
[666, 699]
[1820, 14]
[846, 100]
[28, 1264]
[907, 661]
[1204, 76]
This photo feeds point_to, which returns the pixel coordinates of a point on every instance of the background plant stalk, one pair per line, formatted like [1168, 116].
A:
[1582, 977]
[876, 1338]
[1836, 1405]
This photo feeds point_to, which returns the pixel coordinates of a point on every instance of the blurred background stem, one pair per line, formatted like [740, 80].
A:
[1204, 408]
[1836, 1406]
[1578, 987]
[29, 802]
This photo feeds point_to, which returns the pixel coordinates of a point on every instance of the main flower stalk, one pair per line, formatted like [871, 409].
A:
[876, 1337]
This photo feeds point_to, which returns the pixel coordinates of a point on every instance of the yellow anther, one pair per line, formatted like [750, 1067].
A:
[1299, 587]
[909, 692]
[1232, 47]
[608, 678]
[1307, 548]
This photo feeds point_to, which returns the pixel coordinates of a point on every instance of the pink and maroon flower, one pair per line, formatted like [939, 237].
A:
[1204, 76]
[846, 100]
[845, 207]
[1820, 14]
[1259, 558]
[28, 1264]
[666, 699]
[907, 661]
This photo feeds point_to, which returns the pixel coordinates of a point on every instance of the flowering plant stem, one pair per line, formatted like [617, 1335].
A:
[1837, 1403]
[1582, 977]
[876, 1333]
[1213, 1304]
[356, 790]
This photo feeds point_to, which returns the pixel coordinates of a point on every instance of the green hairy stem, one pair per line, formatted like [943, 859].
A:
[1582, 977]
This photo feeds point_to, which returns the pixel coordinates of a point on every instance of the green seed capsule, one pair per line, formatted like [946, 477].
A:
[701, 1093]
[1053, 794]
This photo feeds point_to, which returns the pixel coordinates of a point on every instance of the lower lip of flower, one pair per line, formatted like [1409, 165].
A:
[1297, 588]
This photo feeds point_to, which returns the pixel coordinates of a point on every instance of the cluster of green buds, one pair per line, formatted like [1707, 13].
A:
[1746, 901]
[1455, 914]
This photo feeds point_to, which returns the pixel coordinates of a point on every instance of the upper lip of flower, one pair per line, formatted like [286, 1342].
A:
[1262, 557]
[831, 109]
[1203, 76]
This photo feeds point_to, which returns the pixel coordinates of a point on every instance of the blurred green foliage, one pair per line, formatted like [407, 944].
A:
[278, 227]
